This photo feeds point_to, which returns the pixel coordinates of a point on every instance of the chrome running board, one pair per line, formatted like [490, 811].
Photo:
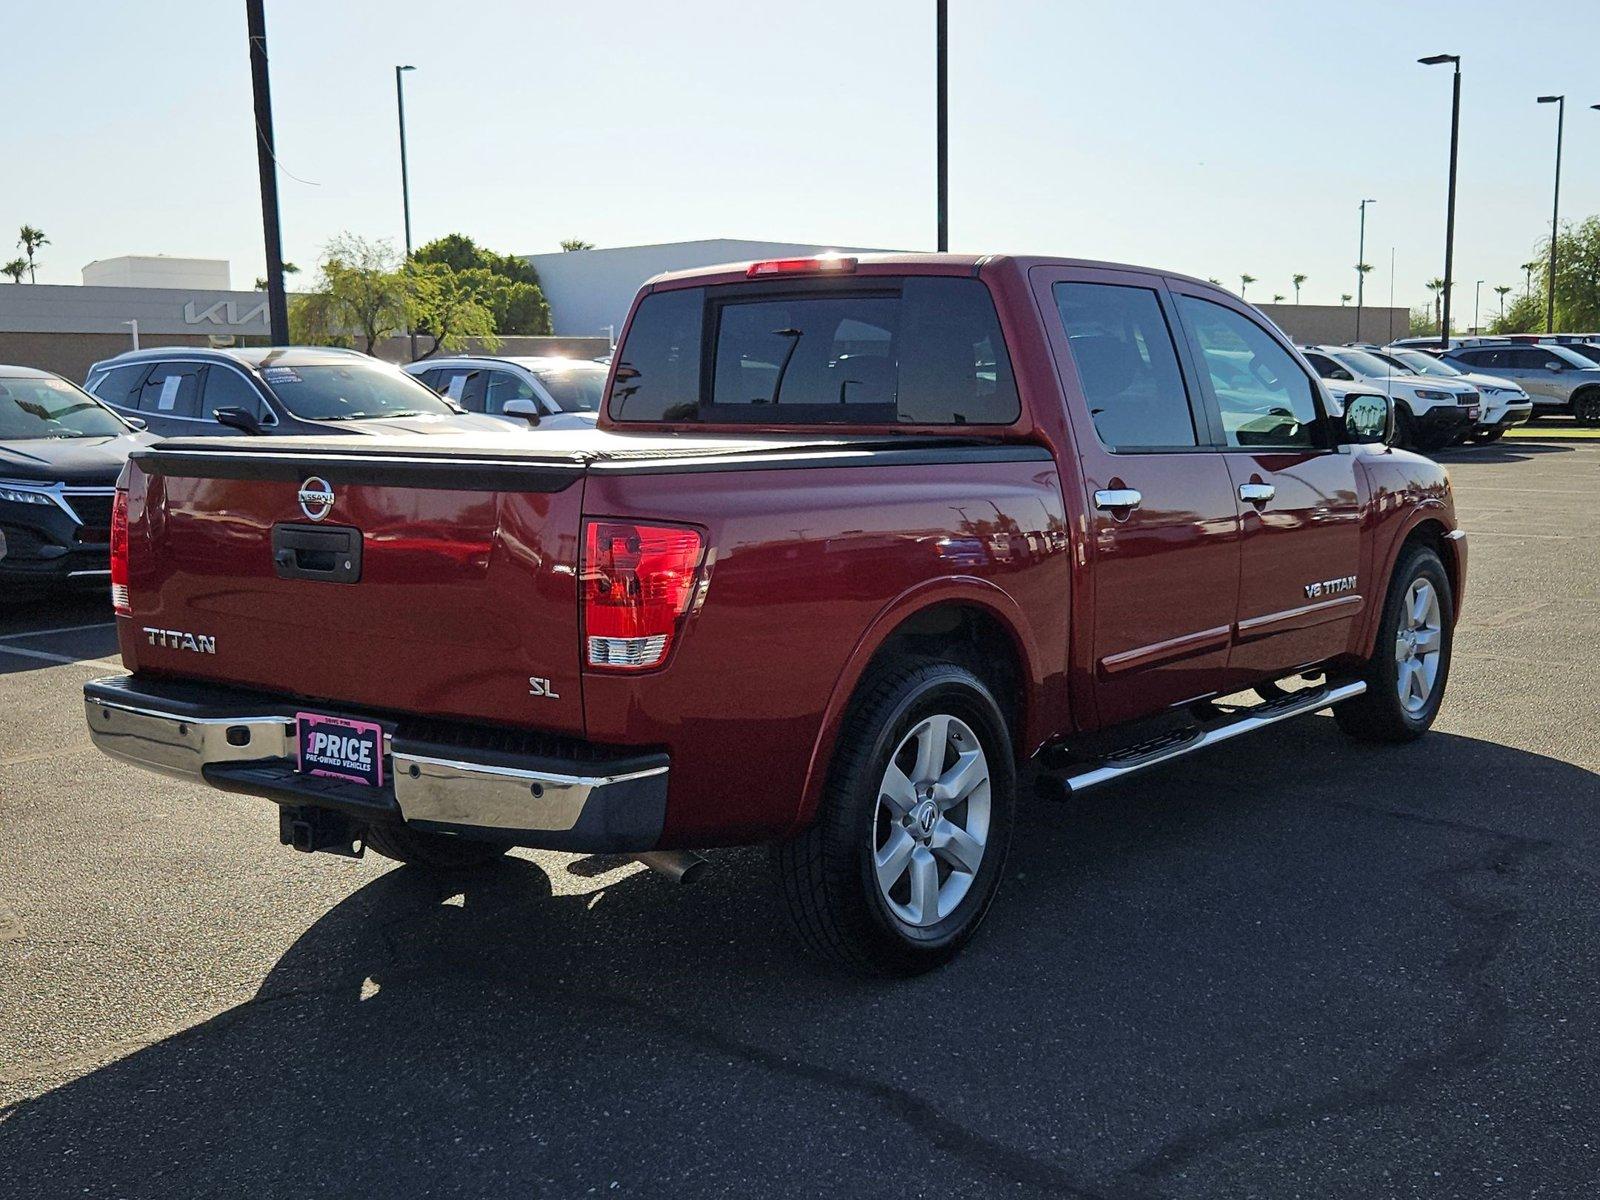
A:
[1108, 770]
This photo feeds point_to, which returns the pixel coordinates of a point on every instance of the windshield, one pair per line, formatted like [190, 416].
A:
[1363, 363]
[1419, 363]
[1569, 356]
[352, 391]
[1586, 350]
[577, 388]
[52, 408]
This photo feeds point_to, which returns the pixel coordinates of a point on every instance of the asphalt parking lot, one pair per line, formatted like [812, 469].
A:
[1294, 967]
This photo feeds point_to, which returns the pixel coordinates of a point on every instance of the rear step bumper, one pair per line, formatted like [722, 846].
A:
[1295, 704]
[243, 742]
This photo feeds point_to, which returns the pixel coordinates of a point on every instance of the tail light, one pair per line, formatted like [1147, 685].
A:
[119, 555]
[637, 582]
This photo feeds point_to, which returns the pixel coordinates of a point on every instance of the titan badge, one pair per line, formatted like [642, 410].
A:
[1331, 587]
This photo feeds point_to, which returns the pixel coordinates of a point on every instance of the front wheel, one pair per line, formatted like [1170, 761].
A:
[1407, 673]
[906, 853]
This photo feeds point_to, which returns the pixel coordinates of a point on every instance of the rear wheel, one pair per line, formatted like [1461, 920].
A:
[1408, 670]
[437, 851]
[1586, 407]
[907, 850]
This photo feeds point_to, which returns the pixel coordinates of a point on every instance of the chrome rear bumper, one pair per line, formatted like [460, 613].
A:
[192, 732]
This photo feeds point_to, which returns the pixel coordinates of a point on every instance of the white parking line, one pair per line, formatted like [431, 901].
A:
[33, 633]
[45, 656]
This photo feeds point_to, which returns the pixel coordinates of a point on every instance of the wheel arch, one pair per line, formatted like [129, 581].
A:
[992, 638]
[1426, 527]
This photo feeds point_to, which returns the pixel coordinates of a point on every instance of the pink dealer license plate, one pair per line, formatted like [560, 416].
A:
[340, 748]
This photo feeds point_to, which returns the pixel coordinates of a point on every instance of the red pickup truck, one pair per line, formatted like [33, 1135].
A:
[858, 547]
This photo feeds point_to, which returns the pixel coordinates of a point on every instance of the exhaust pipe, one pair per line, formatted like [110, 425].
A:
[680, 866]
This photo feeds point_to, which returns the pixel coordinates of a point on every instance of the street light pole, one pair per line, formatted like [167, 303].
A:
[405, 179]
[1434, 60]
[1477, 293]
[1361, 266]
[267, 166]
[942, 102]
[1555, 212]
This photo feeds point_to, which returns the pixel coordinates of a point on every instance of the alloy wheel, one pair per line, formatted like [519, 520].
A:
[1419, 646]
[931, 824]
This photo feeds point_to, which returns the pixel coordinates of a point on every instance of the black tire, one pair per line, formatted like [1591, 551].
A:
[1586, 407]
[1378, 715]
[1405, 428]
[826, 873]
[436, 851]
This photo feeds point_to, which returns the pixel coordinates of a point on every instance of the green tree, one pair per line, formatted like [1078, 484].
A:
[504, 284]
[1502, 291]
[1244, 282]
[445, 305]
[31, 239]
[576, 244]
[361, 294]
[1345, 298]
[1297, 280]
[1421, 324]
[1577, 276]
[1525, 314]
[16, 268]
[1277, 297]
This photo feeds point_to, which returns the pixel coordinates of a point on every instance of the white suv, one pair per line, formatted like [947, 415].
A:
[1504, 403]
[1429, 414]
[550, 392]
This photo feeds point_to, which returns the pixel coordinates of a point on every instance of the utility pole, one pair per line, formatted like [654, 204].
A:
[405, 182]
[1434, 60]
[942, 52]
[267, 164]
[1555, 212]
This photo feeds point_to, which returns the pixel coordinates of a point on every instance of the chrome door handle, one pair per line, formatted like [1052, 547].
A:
[1256, 493]
[1117, 498]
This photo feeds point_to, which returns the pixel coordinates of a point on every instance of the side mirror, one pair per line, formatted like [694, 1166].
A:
[237, 418]
[137, 423]
[521, 407]
[1553, 365]
[1368, 419]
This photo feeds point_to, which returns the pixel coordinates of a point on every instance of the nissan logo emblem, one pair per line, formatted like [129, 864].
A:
[316, 498]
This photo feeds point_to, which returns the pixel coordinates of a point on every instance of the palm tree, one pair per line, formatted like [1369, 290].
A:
[30, 239]
[1344, 298]
[16, 268]
[1501, 292]
[1215, 280]
[1277, 297]
[1528, 268]
[1244, 282]
[1436, 286]
[1297, 281]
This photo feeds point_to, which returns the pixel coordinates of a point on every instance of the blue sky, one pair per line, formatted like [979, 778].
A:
[1218, 138]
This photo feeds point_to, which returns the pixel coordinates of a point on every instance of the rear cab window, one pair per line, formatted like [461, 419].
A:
[875, 350]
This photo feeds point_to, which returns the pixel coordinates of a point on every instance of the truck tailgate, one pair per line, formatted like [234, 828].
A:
[435, 582]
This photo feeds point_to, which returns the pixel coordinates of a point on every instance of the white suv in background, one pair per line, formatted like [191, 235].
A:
[1504, 403]
[1429, 414]
[552, 393]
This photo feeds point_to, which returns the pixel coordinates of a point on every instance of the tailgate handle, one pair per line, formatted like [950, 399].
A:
[329, 553]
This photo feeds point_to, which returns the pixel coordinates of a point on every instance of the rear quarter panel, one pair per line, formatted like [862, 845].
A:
[808, 571]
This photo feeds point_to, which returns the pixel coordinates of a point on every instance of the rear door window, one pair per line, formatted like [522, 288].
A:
[1127, 366]
[463, 385]
[879, 351]
[501, 386]
[119, 387]
[172, 390]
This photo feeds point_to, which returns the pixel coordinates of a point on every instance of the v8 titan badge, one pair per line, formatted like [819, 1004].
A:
[340, 748]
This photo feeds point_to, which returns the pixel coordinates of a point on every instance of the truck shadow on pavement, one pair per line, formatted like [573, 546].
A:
[1288, 970]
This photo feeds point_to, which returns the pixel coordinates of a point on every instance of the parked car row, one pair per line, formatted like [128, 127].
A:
[1560, 371]
[1438, 401]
